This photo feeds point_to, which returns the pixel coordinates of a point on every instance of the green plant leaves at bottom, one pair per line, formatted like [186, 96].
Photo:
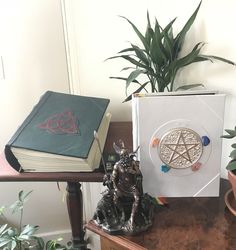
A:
[24, 196]
[233, 154]
[231, 132]
[233, 145]
[231, 166]
[2, 228]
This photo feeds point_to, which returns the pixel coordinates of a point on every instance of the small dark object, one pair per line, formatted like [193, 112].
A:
[124, 209]
[205, 140]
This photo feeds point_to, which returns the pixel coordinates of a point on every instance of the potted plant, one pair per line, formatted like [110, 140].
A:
[23, 237]
[159, 57]
[231, 167]
[154, 67]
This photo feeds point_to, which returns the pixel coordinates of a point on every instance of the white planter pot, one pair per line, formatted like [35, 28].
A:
[169, 129]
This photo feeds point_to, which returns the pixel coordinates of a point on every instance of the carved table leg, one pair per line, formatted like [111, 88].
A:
[75, 210]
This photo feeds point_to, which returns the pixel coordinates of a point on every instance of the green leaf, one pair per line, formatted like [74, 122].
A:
[168, 41]
[158, 52]
[189, 86]
[133, 61]
[29, 230]
[2, 228]
[2, 208]
[24, 237]
[201, 58]
[233, 145]
[233, 154]
[16, 206]
[138, 33]
[136, 91]
[133, 75]
[149, 31]
[124, 51]
[231, 166]
[54, 245]
[211, 58]
[13, 245]
[121, 78]
[12, 232]
[188, 59]
[227, 136]
[4, 241]
[40, 243]
[231, 132]
[169, 27]
[127, 68]
[24, 196]
[181, 35]
[141, 55]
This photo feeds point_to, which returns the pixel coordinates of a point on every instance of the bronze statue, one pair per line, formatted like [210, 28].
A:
[124, 209]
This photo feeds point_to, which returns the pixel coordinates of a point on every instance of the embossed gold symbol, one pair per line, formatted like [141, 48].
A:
[180, 148]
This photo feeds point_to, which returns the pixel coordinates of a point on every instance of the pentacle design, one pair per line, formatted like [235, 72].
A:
[62, 123]
[180, 148]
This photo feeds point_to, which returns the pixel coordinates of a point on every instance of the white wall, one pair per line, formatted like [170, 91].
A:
[33, 52]
[101, 33]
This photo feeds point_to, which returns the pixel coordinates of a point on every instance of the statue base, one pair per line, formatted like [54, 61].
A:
[114, 218]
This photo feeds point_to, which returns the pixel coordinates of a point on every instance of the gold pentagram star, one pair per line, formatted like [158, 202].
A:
[180, 148]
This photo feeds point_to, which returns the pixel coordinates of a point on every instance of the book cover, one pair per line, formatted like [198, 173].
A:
[180, 144]
[59, 125]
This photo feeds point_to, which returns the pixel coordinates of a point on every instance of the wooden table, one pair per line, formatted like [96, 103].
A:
[117, 130]
[185, 224]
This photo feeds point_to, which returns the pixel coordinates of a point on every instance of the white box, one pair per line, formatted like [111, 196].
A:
[155, 115]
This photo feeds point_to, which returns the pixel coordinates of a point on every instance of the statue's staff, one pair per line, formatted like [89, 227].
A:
[104, 166]
[100, 150]
[103, 161]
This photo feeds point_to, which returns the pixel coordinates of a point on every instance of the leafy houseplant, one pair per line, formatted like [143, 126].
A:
[231, 167]
[158, 57]
[23, 237]
[231, 133]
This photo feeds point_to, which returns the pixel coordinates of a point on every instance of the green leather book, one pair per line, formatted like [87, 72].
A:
[58, 135]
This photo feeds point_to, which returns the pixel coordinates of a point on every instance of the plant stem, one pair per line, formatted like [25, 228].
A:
[152, 83]
[172, 81]
[18, 245]
[21, 219]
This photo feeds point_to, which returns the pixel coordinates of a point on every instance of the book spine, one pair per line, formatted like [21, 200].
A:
[12, 160]
[135, 122]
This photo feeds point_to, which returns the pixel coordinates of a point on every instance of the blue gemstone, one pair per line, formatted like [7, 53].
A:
[205, 140]
[165, 168]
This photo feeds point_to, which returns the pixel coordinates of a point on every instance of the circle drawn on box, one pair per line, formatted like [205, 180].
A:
[197, 155]
[180, 148]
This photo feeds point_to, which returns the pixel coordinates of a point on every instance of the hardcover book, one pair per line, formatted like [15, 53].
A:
[58, 135]
[180, 144]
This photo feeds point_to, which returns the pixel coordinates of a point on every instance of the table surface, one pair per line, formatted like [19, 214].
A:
[185, 224]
